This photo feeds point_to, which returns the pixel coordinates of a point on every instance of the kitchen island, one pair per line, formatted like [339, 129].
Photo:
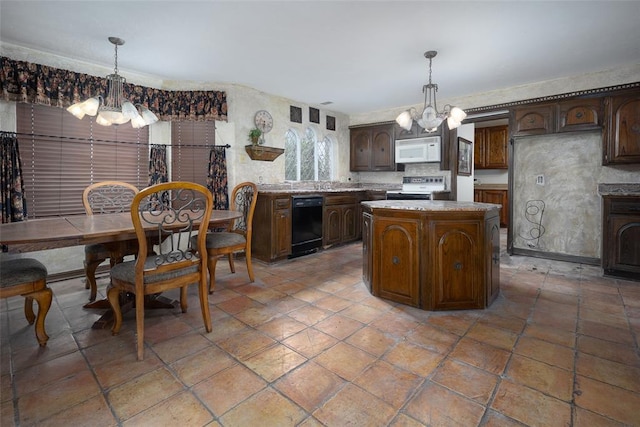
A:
[434, 255]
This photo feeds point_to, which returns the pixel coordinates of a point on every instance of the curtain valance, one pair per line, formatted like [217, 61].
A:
[40, 84]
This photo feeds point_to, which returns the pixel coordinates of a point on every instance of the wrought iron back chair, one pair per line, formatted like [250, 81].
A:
[182, 211]
[237, 238]
[100, 198]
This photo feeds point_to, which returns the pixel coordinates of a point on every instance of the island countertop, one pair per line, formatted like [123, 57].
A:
[431, 205]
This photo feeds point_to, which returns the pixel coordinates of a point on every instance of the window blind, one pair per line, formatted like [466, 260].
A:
[191, 143]
[62, 155]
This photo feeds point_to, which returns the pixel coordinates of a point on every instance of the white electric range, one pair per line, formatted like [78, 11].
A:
[418, 188]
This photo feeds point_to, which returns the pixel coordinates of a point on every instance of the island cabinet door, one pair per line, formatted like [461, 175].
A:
[493, 263]
[367, 261]
[455, 268]
[396, 263]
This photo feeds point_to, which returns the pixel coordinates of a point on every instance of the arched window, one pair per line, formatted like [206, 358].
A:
[308, 159]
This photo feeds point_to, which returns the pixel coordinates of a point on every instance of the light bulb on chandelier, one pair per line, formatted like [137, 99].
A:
[431, 118]
[115, 109]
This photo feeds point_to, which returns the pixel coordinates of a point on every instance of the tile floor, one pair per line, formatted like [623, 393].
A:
[307, 345]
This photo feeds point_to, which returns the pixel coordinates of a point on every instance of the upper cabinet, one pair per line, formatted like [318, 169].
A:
[580, 114]
[490, 148]
[415, 132]
[534, 120]
[372, 148]
[563, 116]
[621, 138]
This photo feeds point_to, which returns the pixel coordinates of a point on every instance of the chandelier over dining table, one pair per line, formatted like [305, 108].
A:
[115, 109]
[431, 118]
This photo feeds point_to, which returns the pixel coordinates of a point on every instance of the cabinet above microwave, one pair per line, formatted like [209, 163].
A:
[418, 150]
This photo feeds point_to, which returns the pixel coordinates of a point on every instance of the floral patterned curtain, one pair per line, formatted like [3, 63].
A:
[12, 201]
[40, 84]
[217, 177]
[158, 170]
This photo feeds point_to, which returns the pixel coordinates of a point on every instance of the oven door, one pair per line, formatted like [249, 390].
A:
[399, 195]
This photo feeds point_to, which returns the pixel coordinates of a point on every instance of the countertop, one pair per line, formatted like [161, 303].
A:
[490, 186]
[431, 205]
[622, 189]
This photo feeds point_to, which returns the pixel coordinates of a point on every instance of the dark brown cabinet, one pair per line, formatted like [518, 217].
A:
[415, 132]
[621, 139]
[535, 120]
[372, 148]
[621, 236]
[341, 221]
[579, 114]
[434, 260]
[271, 239]
[495, 196]
[490, 150]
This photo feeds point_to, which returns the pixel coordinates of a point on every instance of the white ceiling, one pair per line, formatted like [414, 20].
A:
[362, 56]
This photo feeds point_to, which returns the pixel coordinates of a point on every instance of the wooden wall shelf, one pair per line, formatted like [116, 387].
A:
[261, 152]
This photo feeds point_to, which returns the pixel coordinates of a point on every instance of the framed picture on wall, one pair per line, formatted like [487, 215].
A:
[465, 156]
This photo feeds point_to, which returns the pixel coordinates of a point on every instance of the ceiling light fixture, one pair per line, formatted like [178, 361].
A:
[115, 109]
[431, 118]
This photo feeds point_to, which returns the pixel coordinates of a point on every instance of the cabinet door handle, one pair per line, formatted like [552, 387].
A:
[457, 266]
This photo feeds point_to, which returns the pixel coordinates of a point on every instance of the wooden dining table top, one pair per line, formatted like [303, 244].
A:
[56, 232]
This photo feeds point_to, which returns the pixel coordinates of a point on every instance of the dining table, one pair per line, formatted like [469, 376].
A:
[74, 230]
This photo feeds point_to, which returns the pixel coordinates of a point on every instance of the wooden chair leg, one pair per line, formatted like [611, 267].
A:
[231, 264]
[211, 266]
[43, 297]
[113, 295]
[140, 324]
[249, 265]
[90, 273]
[183, 299]
[204, 303]
[28, 309]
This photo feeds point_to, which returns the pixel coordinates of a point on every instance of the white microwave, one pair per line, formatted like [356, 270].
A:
[418, 150]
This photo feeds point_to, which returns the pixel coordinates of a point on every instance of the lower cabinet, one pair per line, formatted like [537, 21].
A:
[341, 219]
[498, 197]
[271, 239]
[435, 261]
[621, 236]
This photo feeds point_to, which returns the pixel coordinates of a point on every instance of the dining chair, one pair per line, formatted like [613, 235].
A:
[28, 277]
[237, 237]
[100, 198]
[182, 211]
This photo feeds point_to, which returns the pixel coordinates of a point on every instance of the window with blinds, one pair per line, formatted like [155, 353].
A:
[62, 155]
[191, 143]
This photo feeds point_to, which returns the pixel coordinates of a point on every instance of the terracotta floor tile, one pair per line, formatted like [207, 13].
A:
[143, 392]
[256, 316]
[168, 327]
[510, 323]
[389, 383]
[181, 409]
[372, 341]
[310, 342]
[92, 412]
[555, 317]
[7, 414]
[201, 365]
[496, 337]
[583, 417]
[274, 362]
[619, 321]
[345, 360]
[395, 323]
[265, 408]
[556, 336]
[471, 382]
[310, 294]
[354, 406]
[38, 376]
[432, 338]
[606, 332]
[245, 343]
[57, 396]
[6, 387]
[309, 315]
[614, 373]
[609, 350]
[227, 388]
[238, 304]
[125, 368]
[176, 348]
[435, 405]
[402, 420]
[457, 324]
[483, 356]
[549, 353]
[537, 375]
[224, 328]
[620, 405]
[338, 326]
[362, 312]
[529, 406]
[496, 419]
[32, 354]
[287, 304]
[332, 303]
[413, 358]
[309, 394]
[282, 327]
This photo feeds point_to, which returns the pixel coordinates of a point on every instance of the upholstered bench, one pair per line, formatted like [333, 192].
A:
[27, 277]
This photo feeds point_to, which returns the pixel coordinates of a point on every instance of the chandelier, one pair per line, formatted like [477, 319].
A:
[431, 118]
[115, 109]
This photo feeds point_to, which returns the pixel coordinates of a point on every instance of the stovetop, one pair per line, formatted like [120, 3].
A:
[423, 184]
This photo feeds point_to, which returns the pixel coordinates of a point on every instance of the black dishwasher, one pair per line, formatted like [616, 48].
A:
[306, 224]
